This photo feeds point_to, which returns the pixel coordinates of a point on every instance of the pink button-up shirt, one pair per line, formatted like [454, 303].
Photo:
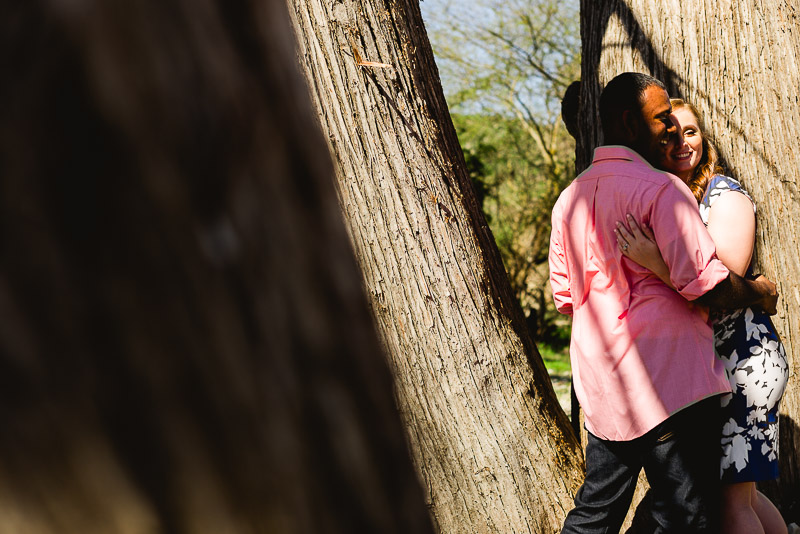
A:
[640, 351]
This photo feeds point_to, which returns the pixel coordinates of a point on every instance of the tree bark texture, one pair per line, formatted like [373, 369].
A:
[737, 61]
[185, 345]
[493, 447]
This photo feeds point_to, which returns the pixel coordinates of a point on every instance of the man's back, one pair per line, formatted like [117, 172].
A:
[640, 351]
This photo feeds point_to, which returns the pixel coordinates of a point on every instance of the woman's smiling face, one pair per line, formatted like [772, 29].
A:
[686, 149]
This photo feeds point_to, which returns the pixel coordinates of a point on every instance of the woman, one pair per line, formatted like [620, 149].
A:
[745, 339]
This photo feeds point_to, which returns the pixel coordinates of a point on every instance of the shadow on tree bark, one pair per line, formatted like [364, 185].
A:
[595, 20]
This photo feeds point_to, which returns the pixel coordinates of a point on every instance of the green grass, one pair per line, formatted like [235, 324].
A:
[556, 360]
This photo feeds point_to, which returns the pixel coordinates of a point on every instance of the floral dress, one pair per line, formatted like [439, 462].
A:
[754, 357]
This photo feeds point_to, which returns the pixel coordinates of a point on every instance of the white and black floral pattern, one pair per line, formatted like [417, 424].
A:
[755, 360]
[718, 186]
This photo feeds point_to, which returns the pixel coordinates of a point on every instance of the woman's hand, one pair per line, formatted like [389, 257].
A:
[639, 245]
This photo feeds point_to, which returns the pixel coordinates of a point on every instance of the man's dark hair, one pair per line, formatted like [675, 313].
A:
[570, 106]
[623, 93]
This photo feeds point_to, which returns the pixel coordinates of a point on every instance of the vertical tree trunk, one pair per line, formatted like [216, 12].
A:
[495, 451]
[185, 345]
[738, 62]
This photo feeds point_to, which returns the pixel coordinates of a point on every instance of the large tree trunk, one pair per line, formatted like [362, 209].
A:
[185, 345]
[494, 449]
[738, 62]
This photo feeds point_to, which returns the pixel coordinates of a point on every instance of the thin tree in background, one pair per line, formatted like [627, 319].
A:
[185, 345]
[495, 451]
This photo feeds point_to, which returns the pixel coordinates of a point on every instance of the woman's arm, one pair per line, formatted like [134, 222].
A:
[732, 225]
[639, 245]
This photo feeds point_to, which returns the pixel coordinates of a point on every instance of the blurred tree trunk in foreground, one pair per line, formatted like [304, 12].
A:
[184, 341]
[739, 63]
[493, 446]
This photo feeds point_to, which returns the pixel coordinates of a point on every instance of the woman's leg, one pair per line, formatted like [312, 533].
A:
[771, 519]
[738, 515]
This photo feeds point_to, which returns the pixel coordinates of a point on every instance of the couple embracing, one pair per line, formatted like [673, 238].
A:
[675, 362]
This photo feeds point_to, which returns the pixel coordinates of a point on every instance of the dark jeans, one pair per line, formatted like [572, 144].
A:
[681, 460]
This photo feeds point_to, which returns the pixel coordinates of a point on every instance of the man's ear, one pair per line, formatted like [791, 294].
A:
[630, 124]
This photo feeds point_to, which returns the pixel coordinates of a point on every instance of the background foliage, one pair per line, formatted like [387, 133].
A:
[505, 67]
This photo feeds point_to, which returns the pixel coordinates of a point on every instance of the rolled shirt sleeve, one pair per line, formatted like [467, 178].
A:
[685, 244]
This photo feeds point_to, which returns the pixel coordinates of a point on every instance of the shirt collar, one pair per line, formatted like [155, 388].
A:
[616, 152]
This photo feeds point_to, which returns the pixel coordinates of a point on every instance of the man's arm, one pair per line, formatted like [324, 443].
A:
[736, 292]
[559, 272]
[690, 254]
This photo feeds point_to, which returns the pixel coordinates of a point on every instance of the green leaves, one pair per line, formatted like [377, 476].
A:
[517, 186]
[505, 65]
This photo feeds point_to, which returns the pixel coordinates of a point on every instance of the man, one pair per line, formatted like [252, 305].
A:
[642, 354]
